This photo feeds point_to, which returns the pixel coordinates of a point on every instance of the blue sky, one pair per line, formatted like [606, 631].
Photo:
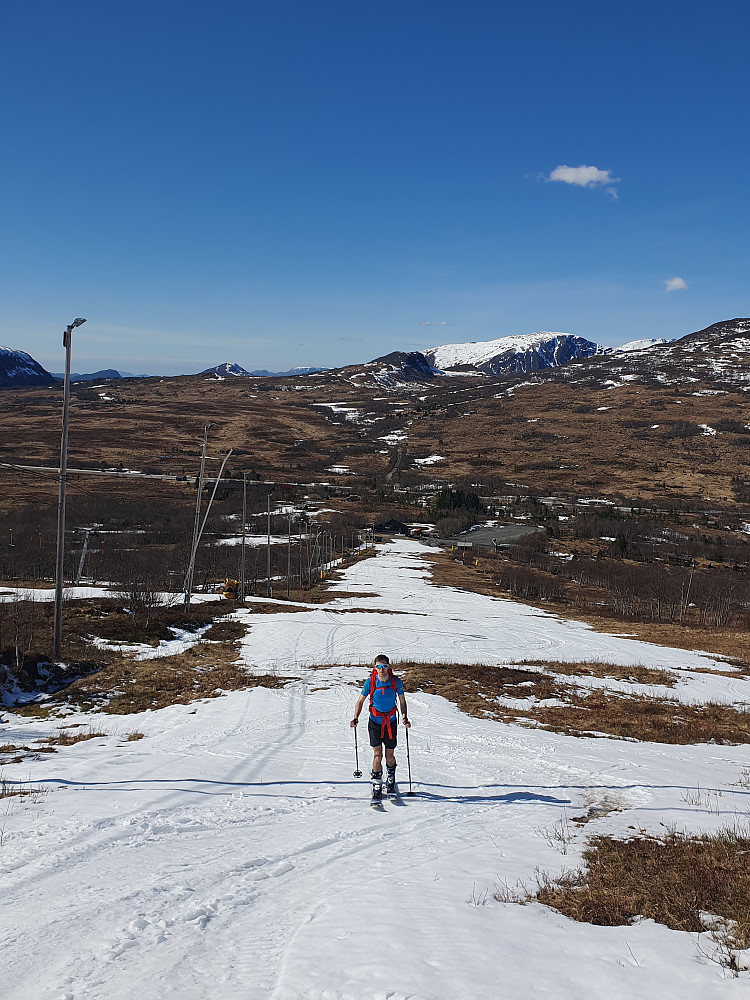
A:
[294, 183]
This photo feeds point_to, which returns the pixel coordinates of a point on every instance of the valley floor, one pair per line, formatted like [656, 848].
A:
[231, 854]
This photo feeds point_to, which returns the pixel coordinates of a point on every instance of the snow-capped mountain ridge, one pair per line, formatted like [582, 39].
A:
[521, 353]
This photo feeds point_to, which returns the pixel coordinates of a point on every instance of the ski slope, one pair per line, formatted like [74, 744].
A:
[231, 854]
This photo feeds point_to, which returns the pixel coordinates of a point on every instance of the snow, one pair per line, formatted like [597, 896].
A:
[81, 593]
[182, 640]
[258, 540]
[230, 854]
[641, 345]
[430, 460]
[479, 352]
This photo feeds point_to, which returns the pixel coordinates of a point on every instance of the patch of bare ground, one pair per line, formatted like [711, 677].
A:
[633, 672]
[688, 883]
[477, 689]
[645, 718]
[109, 619]
[474, 688]
[475, 576]
[126, 686]
[447, 571]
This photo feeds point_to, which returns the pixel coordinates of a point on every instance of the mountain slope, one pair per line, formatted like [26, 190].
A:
[228, 368]
[511, 355]
[718, 357]
[18, 368]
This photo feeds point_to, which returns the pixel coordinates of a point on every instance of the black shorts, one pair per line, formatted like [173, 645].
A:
[373, 729]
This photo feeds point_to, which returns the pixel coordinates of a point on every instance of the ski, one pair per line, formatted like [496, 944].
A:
[393, 795]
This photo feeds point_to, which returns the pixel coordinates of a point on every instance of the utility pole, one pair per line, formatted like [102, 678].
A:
[244, 522]
[198, 500]
[86, 536]
[288, 557]
[268, 546]
[57, 640]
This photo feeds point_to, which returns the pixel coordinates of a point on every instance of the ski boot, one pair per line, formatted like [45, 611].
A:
[377, 784]
[390, 781]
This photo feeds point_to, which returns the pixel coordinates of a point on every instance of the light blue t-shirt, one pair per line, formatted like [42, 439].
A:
[384, 697]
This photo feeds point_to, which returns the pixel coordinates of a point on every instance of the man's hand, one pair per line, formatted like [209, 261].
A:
[353, 723]
[407, 724]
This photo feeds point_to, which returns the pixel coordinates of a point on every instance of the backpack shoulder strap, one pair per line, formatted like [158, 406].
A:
[373, 681]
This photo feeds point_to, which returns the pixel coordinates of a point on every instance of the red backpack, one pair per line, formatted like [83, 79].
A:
[382, 717]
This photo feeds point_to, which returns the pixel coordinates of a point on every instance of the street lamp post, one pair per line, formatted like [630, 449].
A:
[67, 336]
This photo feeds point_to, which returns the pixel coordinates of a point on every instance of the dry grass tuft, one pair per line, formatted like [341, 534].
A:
[68, 738]
[687, 883]
[10, 789]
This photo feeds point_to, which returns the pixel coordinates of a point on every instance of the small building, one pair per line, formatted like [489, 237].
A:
[391, 527]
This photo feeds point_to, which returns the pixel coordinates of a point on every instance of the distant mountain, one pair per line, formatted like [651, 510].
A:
[233, 369]
[18, 368]
[95, 376]
[228, 368]
[299, 370]
[641, 345]
[513, 355]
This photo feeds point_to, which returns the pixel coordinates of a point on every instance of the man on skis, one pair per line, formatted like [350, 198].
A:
[383, 687]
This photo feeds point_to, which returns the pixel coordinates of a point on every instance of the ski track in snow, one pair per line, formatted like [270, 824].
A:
[231, 854]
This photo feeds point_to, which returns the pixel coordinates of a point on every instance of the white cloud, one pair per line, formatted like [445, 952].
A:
[585, 177]
[675, 284]
[427, 322]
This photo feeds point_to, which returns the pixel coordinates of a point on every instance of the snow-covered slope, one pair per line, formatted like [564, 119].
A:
[514, 354]
[718, 357]
[641, 345]
[18, 368]
[231, 854]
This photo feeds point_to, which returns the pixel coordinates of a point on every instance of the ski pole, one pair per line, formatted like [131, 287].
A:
[408, 761]
[357, 773]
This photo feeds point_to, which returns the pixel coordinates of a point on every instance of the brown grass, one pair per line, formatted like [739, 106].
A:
[481, 438]
[473, 687]
[68, 738]
[126, 686]
[671, 879]
[476, 688]
[447, 571]
[634, 672]
[641, 717]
